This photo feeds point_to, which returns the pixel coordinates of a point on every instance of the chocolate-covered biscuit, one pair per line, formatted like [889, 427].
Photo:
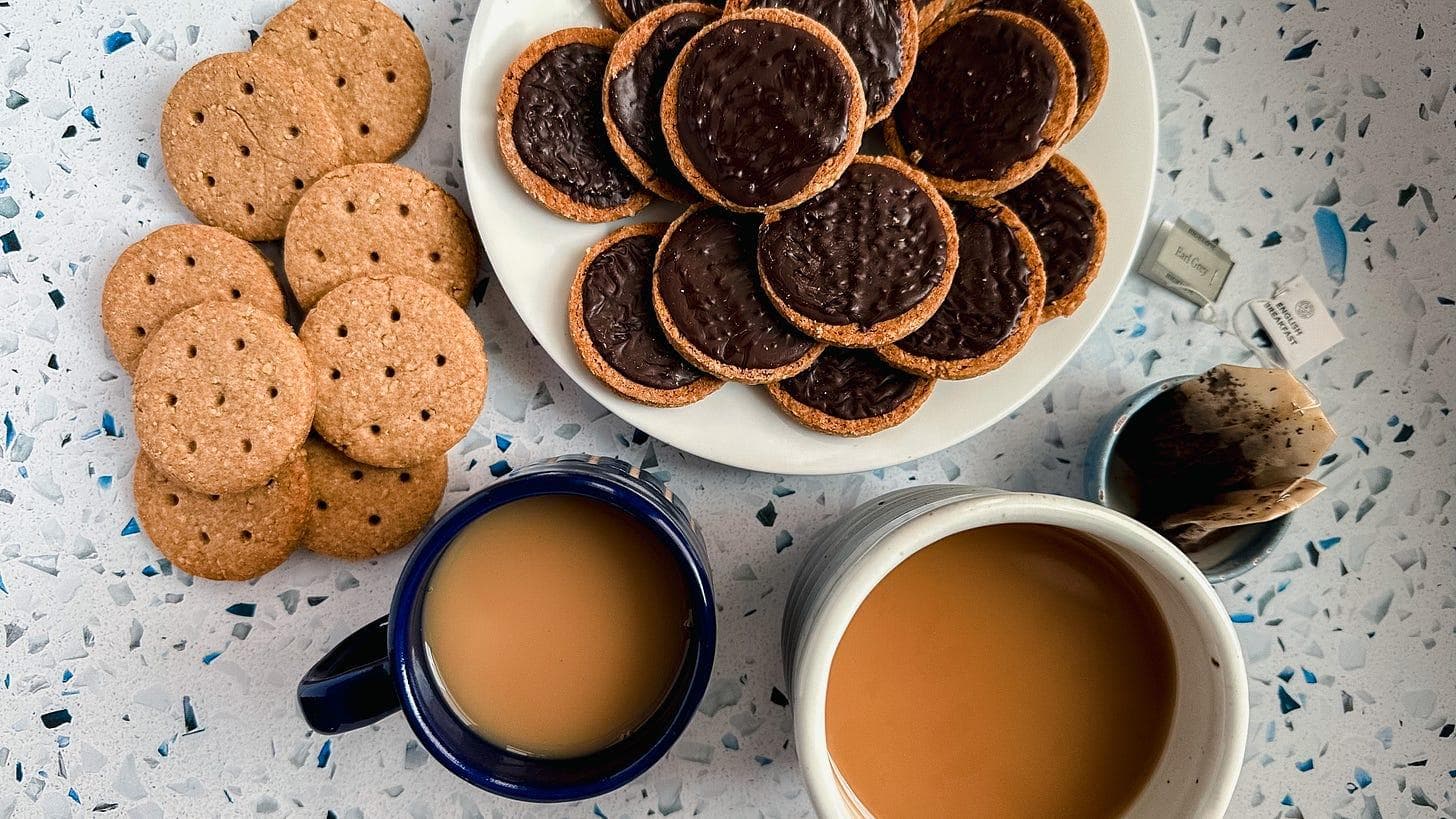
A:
[622, 13]
[865, 262]
[615, 330]
[1014, 97]
[928, 11]
[706, 294]
[550, 129]
[632, 94]
[762, 110]
[882, 37]
[1076, 25]
[993, 305]
[1064, 215]
[851, 392]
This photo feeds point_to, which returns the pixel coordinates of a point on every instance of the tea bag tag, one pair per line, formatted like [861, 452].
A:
[1297, 322]
[1182, 260]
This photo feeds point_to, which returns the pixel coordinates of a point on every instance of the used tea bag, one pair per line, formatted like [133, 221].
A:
[1189, 529]
[1232, 446]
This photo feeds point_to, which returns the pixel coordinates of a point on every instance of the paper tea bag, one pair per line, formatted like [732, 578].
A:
[1189, 529]
[1232, 444]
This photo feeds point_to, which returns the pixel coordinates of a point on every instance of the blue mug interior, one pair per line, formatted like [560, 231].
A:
[501, 770]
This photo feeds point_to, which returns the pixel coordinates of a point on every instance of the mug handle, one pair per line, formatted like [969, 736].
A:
[350, 687]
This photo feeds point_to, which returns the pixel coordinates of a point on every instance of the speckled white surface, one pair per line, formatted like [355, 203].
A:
[127, 689]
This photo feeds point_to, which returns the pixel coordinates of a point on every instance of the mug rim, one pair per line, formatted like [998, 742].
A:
[405, 628]
[824, 628]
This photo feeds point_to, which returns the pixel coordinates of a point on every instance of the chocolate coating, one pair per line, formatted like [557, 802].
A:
[634, 97]
[1005, 82]
[558, 131]
[637, 9]
[616, 295]
[990, 289]
[1064, 23]
[707, 279]
[761, 106]
[851, 384]
[866, 250]
[1063, 219]
[870, 31]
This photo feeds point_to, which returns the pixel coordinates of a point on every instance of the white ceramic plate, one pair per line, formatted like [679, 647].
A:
[535, 254]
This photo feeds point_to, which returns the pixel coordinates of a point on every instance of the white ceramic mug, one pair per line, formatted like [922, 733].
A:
[1200, 762]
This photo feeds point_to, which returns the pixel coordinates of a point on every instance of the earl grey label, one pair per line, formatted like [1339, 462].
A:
[1183, 261]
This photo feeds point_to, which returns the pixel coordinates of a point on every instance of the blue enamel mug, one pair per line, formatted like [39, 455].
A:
[382, 667]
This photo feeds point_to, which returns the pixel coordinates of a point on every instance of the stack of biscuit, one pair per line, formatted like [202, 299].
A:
[256, 440]
[846, 283]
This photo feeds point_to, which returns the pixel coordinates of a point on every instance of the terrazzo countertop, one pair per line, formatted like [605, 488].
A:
[129, 689]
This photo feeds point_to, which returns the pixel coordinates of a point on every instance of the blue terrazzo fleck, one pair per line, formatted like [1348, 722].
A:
[116, 40]
[1332, 243]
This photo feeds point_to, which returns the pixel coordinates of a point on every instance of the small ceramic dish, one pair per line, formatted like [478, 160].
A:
[1106, 479]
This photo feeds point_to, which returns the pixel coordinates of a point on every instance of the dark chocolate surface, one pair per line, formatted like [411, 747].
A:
[635, 96]
[761, 106]
[708, 281]
[990, 289]
[637, 9]
[616, 296]
[851, 384]
[1057, 16]
[870, 31]
[558, 131]
[1063, 220]
[1005, 82]
[866, 250]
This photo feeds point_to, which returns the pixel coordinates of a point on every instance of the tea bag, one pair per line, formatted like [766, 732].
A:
[1189, 530]
[1232, 446]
